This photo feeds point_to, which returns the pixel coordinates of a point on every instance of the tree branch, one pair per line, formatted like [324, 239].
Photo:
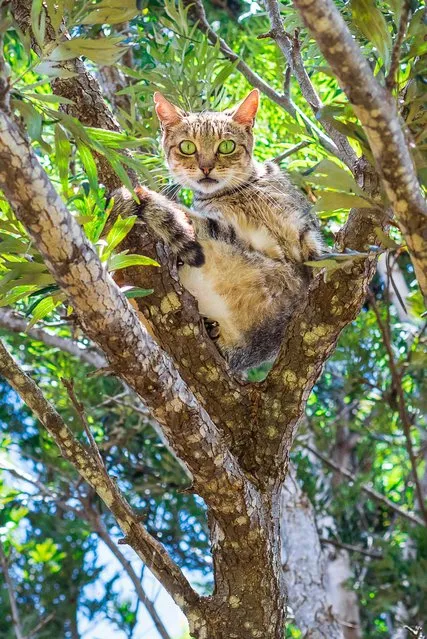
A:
[414, 519]
[401, 405]
[12, 321]
[395, 54]
[290, 47]
[304, 564]
[170, 310]
[377, 112]
[111, 323]
[88, 466]
[16, 621]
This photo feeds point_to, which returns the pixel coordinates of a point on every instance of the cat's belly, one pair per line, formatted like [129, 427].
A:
[211, 304]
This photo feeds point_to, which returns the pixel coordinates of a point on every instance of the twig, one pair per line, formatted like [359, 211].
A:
[16, 621]
[367, 489]
[401, 403]
[69, 385]
[351, 548]
[42, 623]
[395, 54]
[290, 151]
[290, 47]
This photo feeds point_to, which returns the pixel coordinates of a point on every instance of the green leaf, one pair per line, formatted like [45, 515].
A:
[62, 155]
[44, 552]
[55, 11]
[38, 22]
[138, 292]
[100, 50]
[42, 309]
[49, 98]
[89, 164]
[330, 175]
[385, 239]
[111, 13]
[123, 260]
[332, 201]
[117, 233]
[371, 23]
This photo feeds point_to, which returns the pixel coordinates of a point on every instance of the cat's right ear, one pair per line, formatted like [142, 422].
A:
[167, 112]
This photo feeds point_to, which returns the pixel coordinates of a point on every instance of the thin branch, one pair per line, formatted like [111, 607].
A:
[12, 321]
[69, 385]
[253, 78]
[42, 623]
[401, 403]
[283, 100]
[351, 548]
[290, 47]
[291, 151]
[88, 466]
[395, 54]
[136, 581]
[414, 519]
[376, 109]
[16, 621]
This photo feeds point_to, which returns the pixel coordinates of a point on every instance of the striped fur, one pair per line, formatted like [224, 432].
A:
[244, 244]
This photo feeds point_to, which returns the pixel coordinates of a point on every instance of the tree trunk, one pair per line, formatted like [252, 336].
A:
[304, 565]
[249, 596]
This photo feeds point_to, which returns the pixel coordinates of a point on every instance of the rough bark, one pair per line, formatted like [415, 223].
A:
[245, 535]
[304, 565]
[87, 464]
[376, 109]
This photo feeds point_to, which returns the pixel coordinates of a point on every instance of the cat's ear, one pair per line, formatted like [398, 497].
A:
[246, 111]
[168, 113]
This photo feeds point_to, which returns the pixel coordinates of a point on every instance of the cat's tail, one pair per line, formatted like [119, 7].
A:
[169, 221]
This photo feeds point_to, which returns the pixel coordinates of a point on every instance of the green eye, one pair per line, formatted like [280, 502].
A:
[187, 147]
[227, 146]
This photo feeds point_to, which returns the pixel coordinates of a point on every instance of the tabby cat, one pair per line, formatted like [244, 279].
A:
[242, 248]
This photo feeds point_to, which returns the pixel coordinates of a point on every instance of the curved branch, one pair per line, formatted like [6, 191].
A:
[12, 321]
[88, 466]
[376, 109]
[290, 48]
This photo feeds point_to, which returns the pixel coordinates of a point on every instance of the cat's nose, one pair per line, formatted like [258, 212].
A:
[206, 169]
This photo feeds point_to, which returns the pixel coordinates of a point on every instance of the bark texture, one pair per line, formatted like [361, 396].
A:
[233, 438]
[376, 109]
[307, 587]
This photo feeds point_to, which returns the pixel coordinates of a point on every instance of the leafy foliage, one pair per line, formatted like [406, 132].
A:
[352, 413]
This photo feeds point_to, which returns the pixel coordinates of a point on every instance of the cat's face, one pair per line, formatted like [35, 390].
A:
[208, 151]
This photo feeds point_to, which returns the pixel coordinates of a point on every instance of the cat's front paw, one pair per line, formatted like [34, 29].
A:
[191, 253]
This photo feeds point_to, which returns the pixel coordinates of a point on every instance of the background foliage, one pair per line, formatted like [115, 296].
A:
[352, 413]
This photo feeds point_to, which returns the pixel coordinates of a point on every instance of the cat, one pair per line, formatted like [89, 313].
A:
[243, 246]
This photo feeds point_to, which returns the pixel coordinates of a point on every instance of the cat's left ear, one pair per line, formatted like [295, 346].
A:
[246, 111]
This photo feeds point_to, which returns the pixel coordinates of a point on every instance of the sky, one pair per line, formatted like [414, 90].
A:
[169, 612]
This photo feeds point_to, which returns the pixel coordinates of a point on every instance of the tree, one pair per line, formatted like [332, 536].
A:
[232, 438]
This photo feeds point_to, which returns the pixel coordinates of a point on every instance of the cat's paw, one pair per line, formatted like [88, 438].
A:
[212, 329]
[191, 253]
